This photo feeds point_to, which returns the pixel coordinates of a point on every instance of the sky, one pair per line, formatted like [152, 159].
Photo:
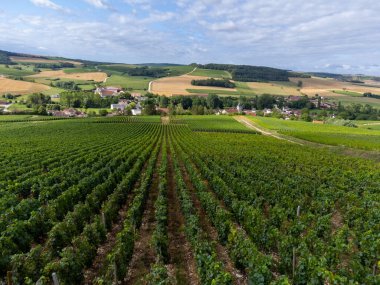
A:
[341, 36]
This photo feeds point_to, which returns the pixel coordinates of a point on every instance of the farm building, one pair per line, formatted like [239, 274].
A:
[71, 112]
[137, 110]
[108, 91]
[118, 106]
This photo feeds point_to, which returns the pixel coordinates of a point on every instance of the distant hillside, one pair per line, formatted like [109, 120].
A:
[251, 73]
[5, 58]
[159, 64]
[327, 75]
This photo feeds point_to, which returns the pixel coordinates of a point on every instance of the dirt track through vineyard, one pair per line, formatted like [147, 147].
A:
[237, 276]
[144, 254]
[252, 126]
[105, 248]
[181, 259]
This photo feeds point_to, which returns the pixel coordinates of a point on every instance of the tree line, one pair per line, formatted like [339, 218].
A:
[214, 82]
[250, 73]
[137, 71]
[57, 65]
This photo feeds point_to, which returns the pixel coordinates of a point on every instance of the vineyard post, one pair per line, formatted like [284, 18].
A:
[55, 278]
[115, 273]
[374, 269]
[294, 249]
[9, 278]
[294, 261]
[104, 220]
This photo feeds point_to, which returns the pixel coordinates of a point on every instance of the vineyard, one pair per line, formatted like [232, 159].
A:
[360, 138]
[192, 201]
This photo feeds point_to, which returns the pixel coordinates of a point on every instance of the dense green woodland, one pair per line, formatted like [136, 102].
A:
[62, 184]
[251, 73]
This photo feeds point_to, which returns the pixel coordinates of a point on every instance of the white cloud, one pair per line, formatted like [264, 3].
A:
[48, 4]
[98, 3]
[288, 34]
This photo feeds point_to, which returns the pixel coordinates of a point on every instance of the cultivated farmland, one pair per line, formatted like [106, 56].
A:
[178, 85]
[275, 88]
[132, 201]
[20, 87]
[325, 86]
[95, 76]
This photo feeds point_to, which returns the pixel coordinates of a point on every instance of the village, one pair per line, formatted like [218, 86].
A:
[134, 103]
[131, 106]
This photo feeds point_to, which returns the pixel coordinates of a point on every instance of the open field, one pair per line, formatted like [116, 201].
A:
[132, 201]
[274, 88]
[96, 76]
[79, 70]
[18, 107]
[11, 71]
[325, 134]
[348, 93]
[82, 84]
[347, 100]
[20, 87]
[177, 70]
[137, 83]
[211, 73]
[324, 87]
[23, 59]
[178, 85]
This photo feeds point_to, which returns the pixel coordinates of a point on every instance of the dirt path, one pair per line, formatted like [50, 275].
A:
[108, 245]
[342, 150]
[144, 254]
[181, 267]
[237, 276]
[252, 126]
[165, 120]
[371, 124]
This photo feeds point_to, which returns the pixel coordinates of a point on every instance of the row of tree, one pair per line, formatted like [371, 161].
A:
[57, 65]
[137, 71]
[370, 95]
[225, 83]
[213, 101]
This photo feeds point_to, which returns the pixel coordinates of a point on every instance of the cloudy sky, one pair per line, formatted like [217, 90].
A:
[320, 35]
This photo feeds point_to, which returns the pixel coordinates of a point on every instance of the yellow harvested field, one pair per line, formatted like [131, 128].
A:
[20, 87]
[273, 88]
[177, 85]
[372, 82]
[96, 76]
[41, 60]
[324, 86]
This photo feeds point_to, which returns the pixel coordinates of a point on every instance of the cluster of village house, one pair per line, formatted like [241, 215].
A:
[285, 111]
[105, 92]
[137, 98]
